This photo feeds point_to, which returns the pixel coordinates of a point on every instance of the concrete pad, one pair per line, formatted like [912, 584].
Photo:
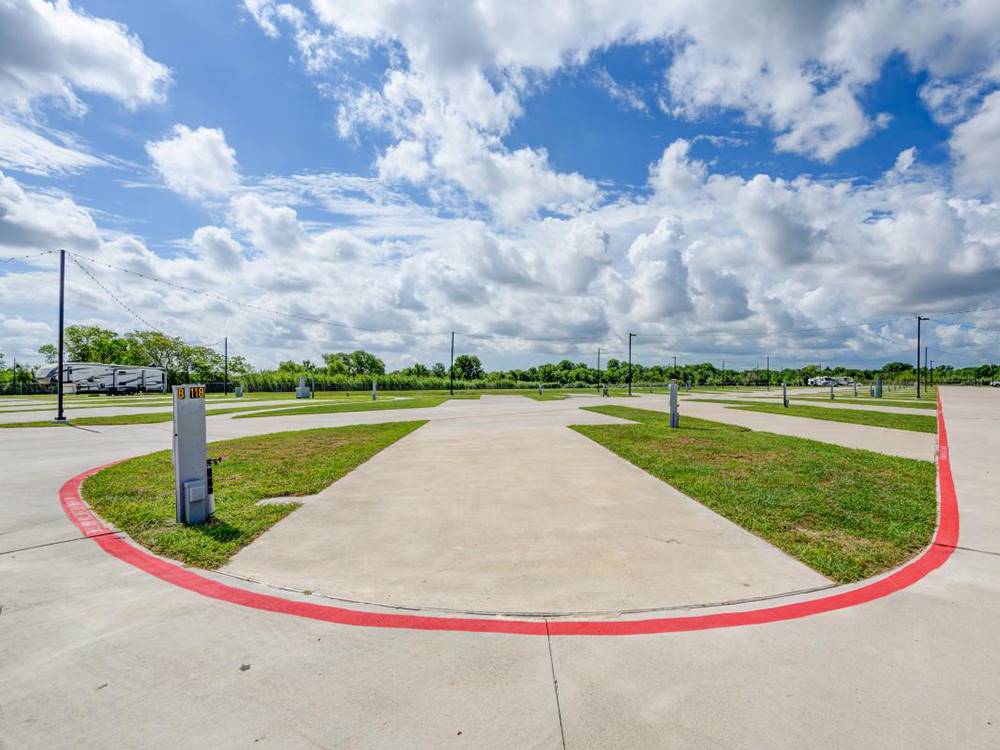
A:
[514, 514]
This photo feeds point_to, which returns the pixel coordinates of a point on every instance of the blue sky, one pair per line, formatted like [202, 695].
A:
[710, 179]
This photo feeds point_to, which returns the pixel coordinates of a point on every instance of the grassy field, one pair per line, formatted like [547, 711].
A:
[911, 422]
[911, 404]
[155, 417]
[848, 514]
[137, 495]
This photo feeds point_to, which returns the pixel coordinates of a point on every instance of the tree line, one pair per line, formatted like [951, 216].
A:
[354, 370]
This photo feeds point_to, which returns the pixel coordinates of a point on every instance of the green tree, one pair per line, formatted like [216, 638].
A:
[94, 344]
[49, 352]
[439, 370]
[468, 367]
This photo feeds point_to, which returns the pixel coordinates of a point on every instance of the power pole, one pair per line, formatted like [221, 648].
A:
[930, 371]
[630, 337]
[598, 369]
[60, 415]
[225, 373]
[926, 373]
[768, 372]
[675, 365]
[920, 319]
[723, 372]
[451, 370]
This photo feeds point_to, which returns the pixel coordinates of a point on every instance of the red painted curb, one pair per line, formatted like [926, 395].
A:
[933, 557]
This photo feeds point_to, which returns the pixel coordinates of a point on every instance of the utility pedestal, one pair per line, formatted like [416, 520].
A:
[784, 394]
[303, 390]
[675, 418]
[878, 388]
[191, 495]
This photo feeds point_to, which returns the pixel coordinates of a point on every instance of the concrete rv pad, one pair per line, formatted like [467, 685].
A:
[514, 515]
[95, 653]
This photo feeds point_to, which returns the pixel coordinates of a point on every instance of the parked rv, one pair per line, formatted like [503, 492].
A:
[826, 380]
[96, 377]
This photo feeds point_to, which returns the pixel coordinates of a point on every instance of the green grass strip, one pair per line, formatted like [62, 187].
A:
[911, 422]
[137, 495]
[914, 404]
[848, 514]
[144, 418]
[360, 404]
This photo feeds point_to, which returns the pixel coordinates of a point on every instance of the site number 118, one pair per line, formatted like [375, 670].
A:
[193, 391]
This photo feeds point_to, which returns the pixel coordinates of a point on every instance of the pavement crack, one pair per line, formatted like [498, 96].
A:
[968, 549]
[555, 685]
[60, 541]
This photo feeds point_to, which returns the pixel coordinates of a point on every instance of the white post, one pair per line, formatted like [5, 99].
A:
[374, 390]
[675, 419]
[831, 391]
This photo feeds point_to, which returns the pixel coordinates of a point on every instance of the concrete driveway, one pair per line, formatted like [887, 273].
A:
[97, 653]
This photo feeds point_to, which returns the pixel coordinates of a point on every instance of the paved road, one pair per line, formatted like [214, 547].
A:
[96, 653]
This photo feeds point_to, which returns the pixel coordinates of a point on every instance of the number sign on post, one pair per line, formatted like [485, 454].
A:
[190, 472]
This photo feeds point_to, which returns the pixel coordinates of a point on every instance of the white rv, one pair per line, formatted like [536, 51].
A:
[95, 377]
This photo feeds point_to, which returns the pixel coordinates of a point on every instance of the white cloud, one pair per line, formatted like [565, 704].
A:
[26, 150]
[196, 163]
[54, 50]
[974, 145]
[216, 245]
[404, 161]
[38, 221]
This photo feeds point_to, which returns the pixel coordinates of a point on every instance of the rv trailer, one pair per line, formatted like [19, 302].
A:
[96, 377]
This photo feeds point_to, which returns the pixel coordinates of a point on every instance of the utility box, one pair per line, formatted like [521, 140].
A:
[238, 392]
[190, 469]
[675, 418]
[303, 390]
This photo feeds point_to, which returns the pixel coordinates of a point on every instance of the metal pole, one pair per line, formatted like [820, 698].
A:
[225, 376]
[60, 415]
[675, 365]
[451, 370]
[768, 372]
[930, 371]
[630, 335]
[723, 372]
[598, 369]
[925, 367]
[919, 320]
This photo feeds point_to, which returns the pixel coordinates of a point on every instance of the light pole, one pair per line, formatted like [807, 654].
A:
[60, 415]
[451, 370]
[630, 337]
[920, 319]
[598, 369]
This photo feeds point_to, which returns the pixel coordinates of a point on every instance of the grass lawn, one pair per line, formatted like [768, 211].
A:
[137, 495]
[146, 418]
[912, 422]
[914, 404]
[361, 403]
[846, 513]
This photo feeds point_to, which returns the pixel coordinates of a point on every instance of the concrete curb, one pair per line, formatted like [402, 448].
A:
[936, 554]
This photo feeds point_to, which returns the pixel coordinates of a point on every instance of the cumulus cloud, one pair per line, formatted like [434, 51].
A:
[974, 144]
[54, 50]
[216, 245]
[39, 221]
[195, 163]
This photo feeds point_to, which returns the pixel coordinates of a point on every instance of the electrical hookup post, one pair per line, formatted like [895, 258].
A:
[675, 417]
[191, 490]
